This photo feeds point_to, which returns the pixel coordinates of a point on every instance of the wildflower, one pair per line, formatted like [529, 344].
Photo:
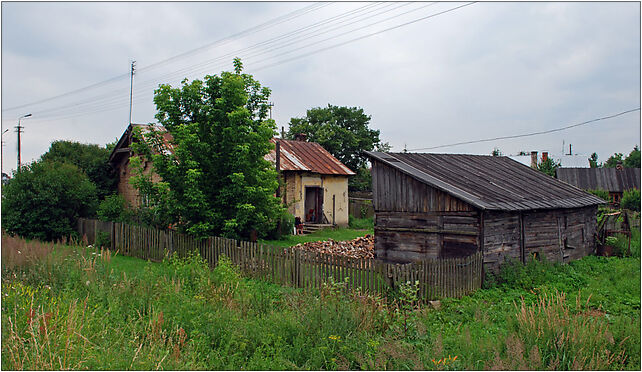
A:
[334, 338]
[87, 283]
[19, 252]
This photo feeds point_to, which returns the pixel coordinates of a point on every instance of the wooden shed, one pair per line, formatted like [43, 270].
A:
[452, 205]
[613, 180]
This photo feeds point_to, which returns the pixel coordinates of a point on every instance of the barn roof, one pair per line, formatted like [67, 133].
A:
[610, 179]
[307, 156]
[488, 182]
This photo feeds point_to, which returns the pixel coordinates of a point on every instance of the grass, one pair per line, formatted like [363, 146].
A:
[74, 308]
[338, 234]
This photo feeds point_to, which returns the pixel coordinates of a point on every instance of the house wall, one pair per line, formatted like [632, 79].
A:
[337, 186]
[125, 189]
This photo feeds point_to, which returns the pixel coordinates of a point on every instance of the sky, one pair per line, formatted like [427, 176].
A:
[428, 74]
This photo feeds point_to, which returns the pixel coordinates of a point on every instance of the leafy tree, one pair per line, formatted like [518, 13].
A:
[631, 200]
[496, 152]
[633, 160]
[44, 200]
[344, 132]
[91, 159]
[548, 166]
[612, 161]
[593, 160]
[113, 208]
[216, 181]
[600, 193]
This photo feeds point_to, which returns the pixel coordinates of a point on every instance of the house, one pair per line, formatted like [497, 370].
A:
[119, 160]
[453, 205]
[565, 160]
[315, 183]
[613, 180]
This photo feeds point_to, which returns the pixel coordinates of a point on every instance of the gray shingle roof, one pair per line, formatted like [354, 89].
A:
[489, 182]
[609, 179]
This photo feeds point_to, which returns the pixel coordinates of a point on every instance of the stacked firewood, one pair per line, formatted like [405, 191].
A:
[361, 247]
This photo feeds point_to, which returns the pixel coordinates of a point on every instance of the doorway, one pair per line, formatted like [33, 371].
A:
[313, 204]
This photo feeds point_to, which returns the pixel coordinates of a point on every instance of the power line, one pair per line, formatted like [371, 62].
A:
[257, 28]
[116, 96]
[529, 134]
[111, 101]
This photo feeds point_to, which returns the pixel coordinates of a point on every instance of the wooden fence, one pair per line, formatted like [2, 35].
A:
[290, 266]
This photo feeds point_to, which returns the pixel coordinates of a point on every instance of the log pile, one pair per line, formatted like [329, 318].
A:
[361, 247]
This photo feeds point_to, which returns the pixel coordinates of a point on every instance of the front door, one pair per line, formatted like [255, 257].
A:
[313, 204]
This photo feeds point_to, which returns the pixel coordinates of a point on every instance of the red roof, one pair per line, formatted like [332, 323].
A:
[307, 156]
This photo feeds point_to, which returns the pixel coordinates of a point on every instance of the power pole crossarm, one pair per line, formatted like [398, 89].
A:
[131, 89]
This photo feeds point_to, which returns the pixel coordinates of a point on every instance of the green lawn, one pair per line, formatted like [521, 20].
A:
[338, 234]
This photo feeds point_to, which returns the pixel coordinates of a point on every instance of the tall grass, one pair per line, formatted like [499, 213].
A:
[78, 308]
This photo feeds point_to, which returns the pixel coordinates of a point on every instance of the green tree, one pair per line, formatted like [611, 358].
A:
[217, 180]
[345, 133]
[612, 161]
[633, 160]
[549, 166]
[44, 200]
[91, 159]
[631, 200]
[593, 160]
[496, 152]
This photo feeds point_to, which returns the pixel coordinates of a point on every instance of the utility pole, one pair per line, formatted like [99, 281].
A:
[2, 142]
[270, 105]
[131, 89]
[19, 130]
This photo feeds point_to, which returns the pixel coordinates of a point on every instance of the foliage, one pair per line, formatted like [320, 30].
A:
[155, 208]
[633, 160]
[344, 132]
[613, 160]
[91, 159]
[361, 223]
[88, 309]
[602, 194]
[216, 181]
[593, 161]
[548, 166]
[631, 200]
[496, 152]
[113, 208]
[45, 199]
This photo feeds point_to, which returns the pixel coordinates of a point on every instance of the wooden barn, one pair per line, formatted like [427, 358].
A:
[445, 205]
[613, 180]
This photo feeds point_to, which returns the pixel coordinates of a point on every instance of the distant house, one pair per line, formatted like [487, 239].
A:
[315, 182]
[565, 160]
[453, 205]
[613, 180]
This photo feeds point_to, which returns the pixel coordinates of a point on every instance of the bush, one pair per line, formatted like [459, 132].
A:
[45, 199]
[361, 223]
[631, 200]
[602, 194]
[113, 208]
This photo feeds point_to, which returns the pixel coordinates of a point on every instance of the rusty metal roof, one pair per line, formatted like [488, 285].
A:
[307, 156]
[488, 182]
[609, 179]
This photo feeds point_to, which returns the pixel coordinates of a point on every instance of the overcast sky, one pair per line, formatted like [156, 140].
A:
[481, 71]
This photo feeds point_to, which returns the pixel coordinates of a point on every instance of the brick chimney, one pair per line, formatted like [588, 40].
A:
[300, 137]
[544, 156]
[533, 159]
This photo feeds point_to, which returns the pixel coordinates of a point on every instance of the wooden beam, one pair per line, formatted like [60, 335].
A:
[435, 231]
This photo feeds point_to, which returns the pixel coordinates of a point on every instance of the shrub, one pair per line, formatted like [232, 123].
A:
[602, 194]
[44, 200]
[113, 208]
[631, 200]
[361, 223]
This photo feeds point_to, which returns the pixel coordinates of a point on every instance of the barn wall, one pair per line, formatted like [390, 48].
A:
[502, 234]
[559, 235]
[125, 172]
[395, 191]
[406, 237]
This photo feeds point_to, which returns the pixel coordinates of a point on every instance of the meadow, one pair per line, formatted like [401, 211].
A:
[66, 306]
